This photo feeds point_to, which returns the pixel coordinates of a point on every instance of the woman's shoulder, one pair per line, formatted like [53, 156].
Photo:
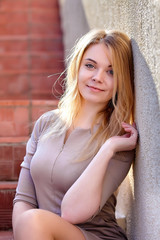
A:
[46, 119]
[48, 116]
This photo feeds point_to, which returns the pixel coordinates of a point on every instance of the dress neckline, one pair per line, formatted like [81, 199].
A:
[79, 129]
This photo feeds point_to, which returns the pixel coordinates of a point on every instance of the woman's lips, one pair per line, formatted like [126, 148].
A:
[95, 89]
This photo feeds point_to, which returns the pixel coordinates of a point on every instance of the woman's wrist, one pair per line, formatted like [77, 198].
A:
[107, 149]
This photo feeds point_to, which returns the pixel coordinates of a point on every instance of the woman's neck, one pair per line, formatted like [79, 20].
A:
[86, 116]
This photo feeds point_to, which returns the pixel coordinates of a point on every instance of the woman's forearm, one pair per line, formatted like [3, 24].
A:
[18, 209]
[82, 200]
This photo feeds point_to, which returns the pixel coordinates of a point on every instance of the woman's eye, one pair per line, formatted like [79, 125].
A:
[89, 65]
[110, 72]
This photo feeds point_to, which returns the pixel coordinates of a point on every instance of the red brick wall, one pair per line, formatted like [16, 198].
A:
[30, 49]
[16, 121]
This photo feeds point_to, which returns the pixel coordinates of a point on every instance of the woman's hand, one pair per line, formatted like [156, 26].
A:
[125, 142]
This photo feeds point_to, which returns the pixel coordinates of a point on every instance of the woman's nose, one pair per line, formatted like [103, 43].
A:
[98, 76]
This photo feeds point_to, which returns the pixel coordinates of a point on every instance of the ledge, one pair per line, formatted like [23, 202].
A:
[6, 140]
[19, 102]
[8, 185]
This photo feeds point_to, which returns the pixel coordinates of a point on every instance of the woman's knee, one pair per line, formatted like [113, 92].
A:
[30, 225]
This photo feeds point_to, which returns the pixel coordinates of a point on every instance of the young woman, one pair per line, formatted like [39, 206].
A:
[79, 154]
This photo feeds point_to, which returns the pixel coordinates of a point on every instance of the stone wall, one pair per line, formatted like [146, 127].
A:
[139, 198]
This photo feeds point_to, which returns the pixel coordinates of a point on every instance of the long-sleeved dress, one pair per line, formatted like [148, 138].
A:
[50, 168]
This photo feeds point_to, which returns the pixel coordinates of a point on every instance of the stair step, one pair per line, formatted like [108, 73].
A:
[6, 185]
[6, 235]
[7, 193]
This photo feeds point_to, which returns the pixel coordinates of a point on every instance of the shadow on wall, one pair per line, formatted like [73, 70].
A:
[146, 167]
[74, 23]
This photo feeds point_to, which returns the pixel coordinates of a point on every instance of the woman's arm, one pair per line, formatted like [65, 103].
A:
[83, 199]
[18, 209]
[25, 197]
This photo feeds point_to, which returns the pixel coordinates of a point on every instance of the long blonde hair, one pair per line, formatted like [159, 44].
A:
[120, 108]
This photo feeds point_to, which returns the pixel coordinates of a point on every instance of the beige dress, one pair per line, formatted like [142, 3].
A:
[50, 168]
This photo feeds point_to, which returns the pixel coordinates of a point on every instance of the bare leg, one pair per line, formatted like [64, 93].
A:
[37, 224]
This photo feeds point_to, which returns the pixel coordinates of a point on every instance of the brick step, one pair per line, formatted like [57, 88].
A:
[38, 60]
[7, 193]
[18, 45]
[32, 72]
[11, 156]
[23, 28]
[21, 5]
[30, 14]
[52, 35]
[16, 121]
[57, 53]
[17, 116]
[6, 235]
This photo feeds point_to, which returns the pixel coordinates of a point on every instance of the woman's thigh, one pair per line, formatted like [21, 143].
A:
[37, 224]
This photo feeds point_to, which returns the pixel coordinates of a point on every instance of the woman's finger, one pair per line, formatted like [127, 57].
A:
[131, 130]
[134, 125]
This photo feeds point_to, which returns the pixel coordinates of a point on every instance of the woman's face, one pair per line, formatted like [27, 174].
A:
[95, 78]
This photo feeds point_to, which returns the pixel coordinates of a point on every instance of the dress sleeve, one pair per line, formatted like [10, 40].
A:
[117, 170]
[25, 189]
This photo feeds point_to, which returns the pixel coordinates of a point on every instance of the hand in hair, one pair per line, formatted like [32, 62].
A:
[125, 142]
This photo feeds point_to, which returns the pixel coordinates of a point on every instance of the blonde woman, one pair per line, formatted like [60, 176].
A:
[79, 154]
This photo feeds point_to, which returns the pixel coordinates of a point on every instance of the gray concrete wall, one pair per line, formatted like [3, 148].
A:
[74, 22]
[139, 197]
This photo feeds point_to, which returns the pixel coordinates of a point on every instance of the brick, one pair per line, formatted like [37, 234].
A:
[14, 85]
[38, 111]
[19, 152]
[47, 61]
[51, 103]
[40, 107]
[57, 88]
[45, 16]
[6, 185]
[20, 115]
[6, 169]
[13, 139]
[44, 4]
[7, 5]
[6, 153]
[13, 45]
[14, 29]
[41, 83]
[42, 96]
[6, 206]
[16, 16]
[7, 114]
[6, 197]
[43, 86]
[21, 120]
[14, 122]
[6, 235]
[11, 103]
[7, 129]
[16, 169]
[11, 157]
[52, 44]
[45, 29]
[5, 222]
[14, 62]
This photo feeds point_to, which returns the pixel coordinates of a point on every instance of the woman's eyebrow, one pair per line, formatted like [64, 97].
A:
[89, 59]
